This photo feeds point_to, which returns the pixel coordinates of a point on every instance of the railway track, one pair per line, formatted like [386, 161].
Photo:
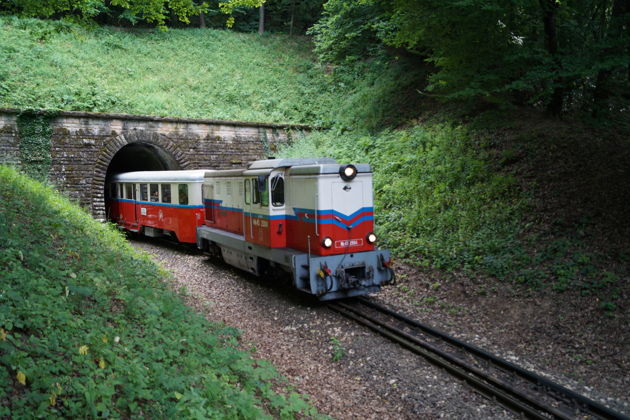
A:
[522, 392]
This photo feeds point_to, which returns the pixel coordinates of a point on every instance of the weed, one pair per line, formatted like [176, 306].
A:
[338, 350]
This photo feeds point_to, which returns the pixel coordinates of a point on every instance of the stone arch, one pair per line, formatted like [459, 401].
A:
[113, 146]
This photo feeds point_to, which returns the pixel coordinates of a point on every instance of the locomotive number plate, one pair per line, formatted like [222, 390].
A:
[348, 243]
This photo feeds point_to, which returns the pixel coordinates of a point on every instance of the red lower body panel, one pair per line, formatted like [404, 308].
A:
[181, 220]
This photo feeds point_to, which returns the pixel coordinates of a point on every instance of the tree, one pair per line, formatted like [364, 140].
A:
[156, 12]
[551, 54]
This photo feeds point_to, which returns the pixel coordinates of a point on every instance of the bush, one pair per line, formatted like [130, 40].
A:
[438, 201]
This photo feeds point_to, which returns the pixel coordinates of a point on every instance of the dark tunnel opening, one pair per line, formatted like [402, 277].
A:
[138, 157]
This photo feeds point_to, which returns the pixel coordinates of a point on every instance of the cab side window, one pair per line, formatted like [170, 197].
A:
[255, 192]
[264, 192]
[277, 191]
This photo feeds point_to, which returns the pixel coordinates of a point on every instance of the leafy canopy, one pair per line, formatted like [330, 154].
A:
[571, 53]
[156, 12]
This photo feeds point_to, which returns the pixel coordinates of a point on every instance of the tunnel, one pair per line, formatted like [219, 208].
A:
[138, 156]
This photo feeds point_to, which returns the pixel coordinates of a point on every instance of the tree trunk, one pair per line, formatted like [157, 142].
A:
[550, 9]
[202, 20]
[292, 17]
[261, 19]
[603, 92]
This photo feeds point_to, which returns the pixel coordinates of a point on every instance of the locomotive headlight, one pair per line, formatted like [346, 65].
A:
[327, 242]
[348, 172]
[371, 238]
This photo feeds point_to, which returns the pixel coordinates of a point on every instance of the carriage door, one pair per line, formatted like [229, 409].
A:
[130, 194]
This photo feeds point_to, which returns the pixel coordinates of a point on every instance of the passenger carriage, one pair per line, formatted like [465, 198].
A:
[158, 203]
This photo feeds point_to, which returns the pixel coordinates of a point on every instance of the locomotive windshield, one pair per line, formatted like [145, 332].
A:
[277, 191]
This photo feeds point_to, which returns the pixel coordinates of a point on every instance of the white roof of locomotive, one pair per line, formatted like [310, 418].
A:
[285, 163]
[362, 168]
[162, 176]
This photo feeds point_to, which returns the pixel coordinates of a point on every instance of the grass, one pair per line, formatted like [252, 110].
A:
[181, 72]
[89, 328]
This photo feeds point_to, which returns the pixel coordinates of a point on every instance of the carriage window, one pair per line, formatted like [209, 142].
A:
[129, 191]
[166, 193]
[119, 191]
[144, 192]
[155, 195]
[277, 191]
[228, 188]
[247, 191]
[182, 189]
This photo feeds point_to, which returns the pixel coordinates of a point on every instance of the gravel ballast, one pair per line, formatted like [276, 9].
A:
[348, 371]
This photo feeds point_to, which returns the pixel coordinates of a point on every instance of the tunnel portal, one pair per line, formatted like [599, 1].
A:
[139, 156]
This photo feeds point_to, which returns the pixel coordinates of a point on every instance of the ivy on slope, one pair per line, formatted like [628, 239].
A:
[35, 134]
[89, 329]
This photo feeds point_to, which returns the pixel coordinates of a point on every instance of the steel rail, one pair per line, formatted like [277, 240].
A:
[592, 407]
[489, 386]
[514, 399]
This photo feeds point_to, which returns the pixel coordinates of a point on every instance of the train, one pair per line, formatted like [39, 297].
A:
[310, 218]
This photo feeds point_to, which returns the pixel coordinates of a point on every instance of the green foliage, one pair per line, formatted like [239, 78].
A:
[545, 53]
[35, 133]
[188, 73]
[444, 199]
[151, 11]
[347, 30]
[286, 16]
[89, 329]
[338, 349]
[378, 94]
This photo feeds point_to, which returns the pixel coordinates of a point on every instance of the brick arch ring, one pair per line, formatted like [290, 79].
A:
[113, 146]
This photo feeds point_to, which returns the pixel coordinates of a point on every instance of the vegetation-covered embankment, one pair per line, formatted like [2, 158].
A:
[88, 327]
[521, 198]
[188, 73]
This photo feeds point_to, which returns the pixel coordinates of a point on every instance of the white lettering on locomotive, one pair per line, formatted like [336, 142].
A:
[349, 243]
